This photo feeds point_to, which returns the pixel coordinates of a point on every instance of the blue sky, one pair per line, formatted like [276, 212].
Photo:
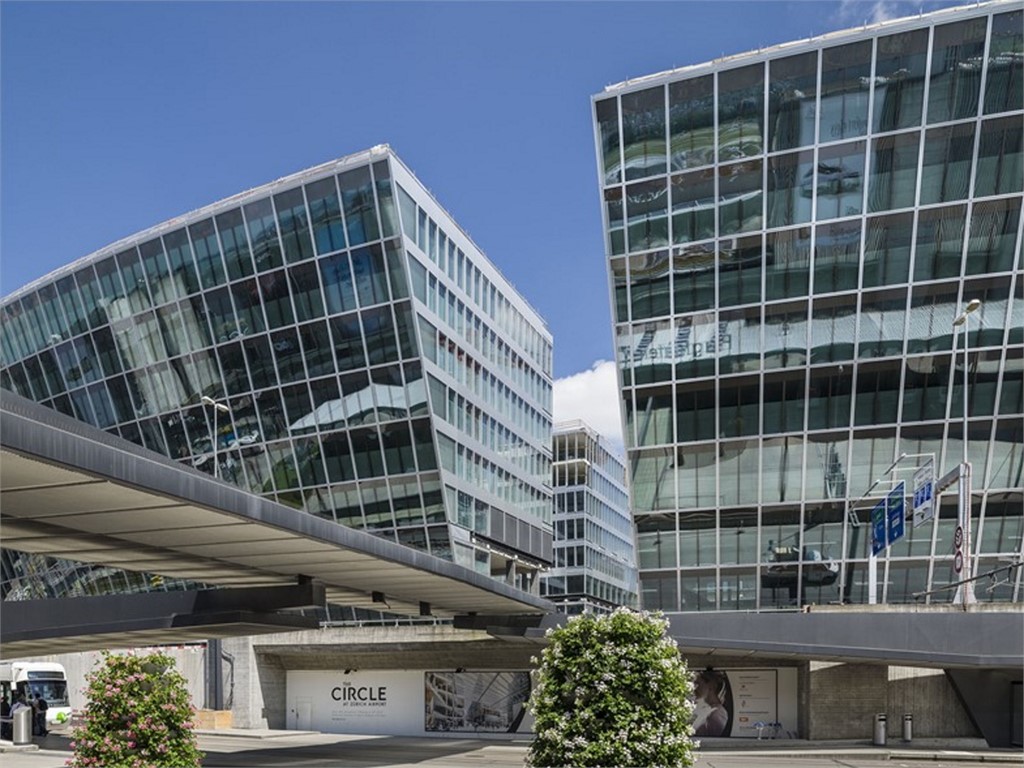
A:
[117, 116]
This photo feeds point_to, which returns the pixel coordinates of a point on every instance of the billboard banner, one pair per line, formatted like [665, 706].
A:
[745, 703]
[408, 702]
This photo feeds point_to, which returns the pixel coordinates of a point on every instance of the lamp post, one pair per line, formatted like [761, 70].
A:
[217, 408]
[965, 592]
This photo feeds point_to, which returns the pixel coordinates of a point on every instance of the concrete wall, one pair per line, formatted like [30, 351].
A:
[842, 699]
[927, 695]
[189, 660]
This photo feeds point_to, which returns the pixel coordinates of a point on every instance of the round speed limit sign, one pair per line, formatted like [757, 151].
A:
[958, 562]
[958, 537]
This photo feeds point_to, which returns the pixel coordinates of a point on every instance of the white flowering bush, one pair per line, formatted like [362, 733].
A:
[612, 691]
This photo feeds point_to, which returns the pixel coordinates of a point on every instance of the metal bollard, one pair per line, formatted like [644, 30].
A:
[908, 727]
[23, 726]
[880, 726]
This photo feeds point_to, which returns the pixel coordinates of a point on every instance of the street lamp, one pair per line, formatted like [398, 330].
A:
[965, 592]
[217, 408]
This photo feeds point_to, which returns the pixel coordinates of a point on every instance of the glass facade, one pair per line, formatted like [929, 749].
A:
[595, 559]
[376, 369]
[784, 279]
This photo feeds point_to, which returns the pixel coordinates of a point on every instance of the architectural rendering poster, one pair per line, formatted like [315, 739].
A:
[477, 702]
[745, 703]
[370, 702]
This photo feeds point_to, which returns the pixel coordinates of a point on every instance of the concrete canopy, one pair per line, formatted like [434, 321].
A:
[72, 491]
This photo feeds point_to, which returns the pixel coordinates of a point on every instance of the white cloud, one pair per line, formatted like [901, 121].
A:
[852, 12]
[593, 397]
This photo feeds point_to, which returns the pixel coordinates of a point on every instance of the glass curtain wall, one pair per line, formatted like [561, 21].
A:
[783, 313]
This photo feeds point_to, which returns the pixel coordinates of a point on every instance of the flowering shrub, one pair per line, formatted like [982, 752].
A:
[139, 715]
[612, 691]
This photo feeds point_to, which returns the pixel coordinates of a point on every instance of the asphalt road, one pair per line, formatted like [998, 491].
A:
[331, 751]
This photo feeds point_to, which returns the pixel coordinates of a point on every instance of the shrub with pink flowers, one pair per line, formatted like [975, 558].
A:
[139, 715]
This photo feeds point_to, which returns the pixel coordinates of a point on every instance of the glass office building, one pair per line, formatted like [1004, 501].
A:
[332, 340]
[790, 234]
[595, 558]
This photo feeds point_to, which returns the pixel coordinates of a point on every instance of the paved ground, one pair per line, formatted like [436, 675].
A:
[285, 749]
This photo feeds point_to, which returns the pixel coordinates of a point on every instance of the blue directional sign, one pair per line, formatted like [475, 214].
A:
[878, 524]
[897, 512]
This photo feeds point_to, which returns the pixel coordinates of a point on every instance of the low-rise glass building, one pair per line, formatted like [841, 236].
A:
[790, 234]
[594, 554]
[332, 340]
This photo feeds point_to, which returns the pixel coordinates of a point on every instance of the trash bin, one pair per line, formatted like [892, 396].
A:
[908, 727]
[880, 725]
[23, 726]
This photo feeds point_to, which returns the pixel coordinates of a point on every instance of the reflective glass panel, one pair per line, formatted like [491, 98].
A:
[276, 298]
[386, 199]
[337, 280]
[782, 461]
[882, 315]
[790, 188]
[740, 262]
[306, 293]
[792, 92]
[839, 183]
[650, 290]
[932, 308]
[266, 249]
[370, 275]
[887, 249]
[893, 172]
[1000, 167]
[616, 223]
[739, 409]
[360, 208]
[741, 197]
[181, 264]
[900, 68]
[925, 388]
[154, 262]
[992, 236]
[643, 132]
[741, 113]
[837, 256]
[940, 242]
[647, 214]
[957, 61]
[291, 217]
[946, 167]
[693, 206]
[693, 269]
[833, 329]
[829, 398]
[691, 107]
[845, 78]
[1004, 79]
[788, 259]
[785, 335]
[783, 404]
[234, 244]
[325, 215]
[207, 253]
[608, 120]
[739, 340]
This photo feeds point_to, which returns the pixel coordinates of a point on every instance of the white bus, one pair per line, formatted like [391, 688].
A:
[38, 678]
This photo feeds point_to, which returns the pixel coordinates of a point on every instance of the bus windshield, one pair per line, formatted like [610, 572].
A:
[54, 691]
